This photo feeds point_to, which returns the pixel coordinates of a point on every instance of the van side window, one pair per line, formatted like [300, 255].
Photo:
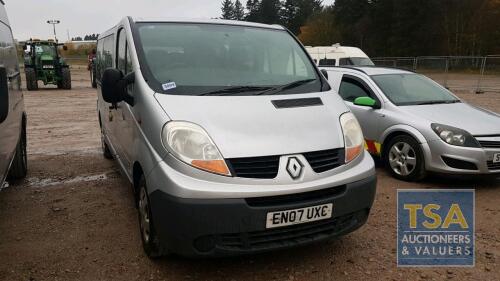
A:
[327, 62]
[345, 61]
[351, 89]
[105, 52]
[8, 52]
[121, 58]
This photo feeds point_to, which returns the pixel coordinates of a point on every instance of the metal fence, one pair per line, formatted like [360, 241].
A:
[462, 73]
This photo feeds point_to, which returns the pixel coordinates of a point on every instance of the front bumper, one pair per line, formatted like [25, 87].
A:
[222, 227]
[464, 160]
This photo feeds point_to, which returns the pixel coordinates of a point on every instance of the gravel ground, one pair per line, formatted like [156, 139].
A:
[73, 217]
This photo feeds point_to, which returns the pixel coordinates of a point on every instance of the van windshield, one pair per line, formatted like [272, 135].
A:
[193, 59]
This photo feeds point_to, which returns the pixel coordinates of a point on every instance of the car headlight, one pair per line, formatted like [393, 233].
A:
[192, 145]
[454, 136]
[353, 136]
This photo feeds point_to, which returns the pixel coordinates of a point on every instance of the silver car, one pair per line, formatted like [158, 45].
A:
[13, 156]
[416, 125]
[231, 137]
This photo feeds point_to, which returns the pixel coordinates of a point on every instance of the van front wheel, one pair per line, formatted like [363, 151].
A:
[19, 167]
[150, 242]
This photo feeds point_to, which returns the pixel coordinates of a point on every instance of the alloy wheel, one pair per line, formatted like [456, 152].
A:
[402, 158]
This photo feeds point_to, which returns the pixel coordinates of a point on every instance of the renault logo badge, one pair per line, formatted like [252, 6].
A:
[294, 167]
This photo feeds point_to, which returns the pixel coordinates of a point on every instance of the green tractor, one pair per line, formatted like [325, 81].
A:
[43, 62]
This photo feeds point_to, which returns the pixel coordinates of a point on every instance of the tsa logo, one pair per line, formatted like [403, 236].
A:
[435, 228]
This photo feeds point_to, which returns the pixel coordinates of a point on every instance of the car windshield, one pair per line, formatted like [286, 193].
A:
[412, 89]
[196, 59]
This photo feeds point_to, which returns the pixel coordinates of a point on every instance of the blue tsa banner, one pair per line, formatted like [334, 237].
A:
[436, 227]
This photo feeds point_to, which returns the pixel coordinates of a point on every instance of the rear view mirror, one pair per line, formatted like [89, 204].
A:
[114, 86]
[325, 73]
[365, 101]
[4, 95]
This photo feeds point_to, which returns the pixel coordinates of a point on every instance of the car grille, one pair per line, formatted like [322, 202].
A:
[297, 198]
[489, 144]
[267, 167]
[255, 167]
[288, 236]
[493, 166]
[322, 161]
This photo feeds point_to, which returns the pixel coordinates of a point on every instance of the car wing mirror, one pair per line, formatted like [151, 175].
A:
[4, 95]
[114, 86]
[366, 101]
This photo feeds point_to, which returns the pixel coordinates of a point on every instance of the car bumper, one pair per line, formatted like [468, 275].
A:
[464, 160]
[223, 227]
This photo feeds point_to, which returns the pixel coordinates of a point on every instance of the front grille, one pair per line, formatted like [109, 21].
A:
[297, 198]
[322, 161]
[489, 144]
[288, 236]
[493, 166]
[265, 167]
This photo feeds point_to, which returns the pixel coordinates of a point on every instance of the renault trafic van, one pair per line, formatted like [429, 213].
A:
[13, 157]
[337, 55]
[231, 137]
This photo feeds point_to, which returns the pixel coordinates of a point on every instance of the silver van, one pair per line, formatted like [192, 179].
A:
[231, 137]
[13, 157]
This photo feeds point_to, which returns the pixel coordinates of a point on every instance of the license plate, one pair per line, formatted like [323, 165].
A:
[48, 66]
[299, 216]
[496, 158]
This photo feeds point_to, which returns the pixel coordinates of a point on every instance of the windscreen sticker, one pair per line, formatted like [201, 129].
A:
[169, 86]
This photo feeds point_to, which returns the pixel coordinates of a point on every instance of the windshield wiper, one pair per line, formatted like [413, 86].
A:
[437, 102]
[292, 85]
[234, 90]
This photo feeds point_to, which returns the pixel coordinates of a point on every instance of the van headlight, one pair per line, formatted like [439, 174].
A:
[192, 145]
[353, 136]
[454, 136]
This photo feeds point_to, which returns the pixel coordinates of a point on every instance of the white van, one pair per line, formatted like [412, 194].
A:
[233, 140]
[337, 55]
[13, 157]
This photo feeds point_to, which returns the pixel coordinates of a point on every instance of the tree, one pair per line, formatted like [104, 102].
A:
[227, 10]
[239, 11]
[269, 11]
[253, 8]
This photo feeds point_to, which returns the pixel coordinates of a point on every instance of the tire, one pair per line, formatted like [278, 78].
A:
[404, 159]
[31, 79]
[106, 152]
[66, 79]
[150, 241]
[19, 167]
[92, 77]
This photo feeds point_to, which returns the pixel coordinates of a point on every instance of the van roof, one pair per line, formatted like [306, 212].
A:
[188, 20]
[209, 21]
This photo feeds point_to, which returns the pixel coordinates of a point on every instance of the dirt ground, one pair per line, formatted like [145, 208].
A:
[73, 217]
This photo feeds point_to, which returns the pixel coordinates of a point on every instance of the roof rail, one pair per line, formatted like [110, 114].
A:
[390, 67]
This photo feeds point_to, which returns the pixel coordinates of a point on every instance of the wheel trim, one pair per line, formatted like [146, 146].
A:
[144, 215]
[402, 158]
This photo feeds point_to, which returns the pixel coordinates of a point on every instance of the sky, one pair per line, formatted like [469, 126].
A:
[28, 18]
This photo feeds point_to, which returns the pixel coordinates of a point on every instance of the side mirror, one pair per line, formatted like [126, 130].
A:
[65, 47]
[365, 101]
[325, 73]
[114, 86]
[4, 95]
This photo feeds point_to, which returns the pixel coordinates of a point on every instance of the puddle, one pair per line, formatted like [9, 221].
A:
[37, 182]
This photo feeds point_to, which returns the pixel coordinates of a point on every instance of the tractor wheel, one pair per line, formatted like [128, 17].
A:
[66, 79]
[31, 80]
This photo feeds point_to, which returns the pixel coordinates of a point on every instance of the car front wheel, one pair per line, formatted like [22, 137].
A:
[404, 159]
